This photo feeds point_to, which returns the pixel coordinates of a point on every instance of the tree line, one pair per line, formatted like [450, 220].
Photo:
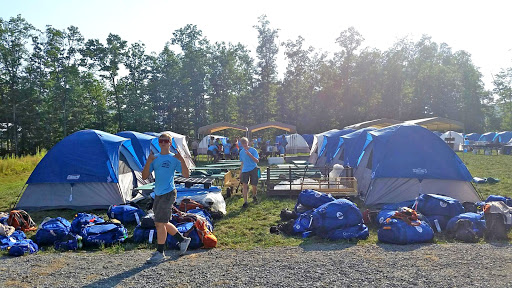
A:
[54, 82]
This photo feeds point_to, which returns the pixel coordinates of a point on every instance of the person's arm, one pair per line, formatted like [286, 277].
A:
[256, 160]
[145, 171]
[184, 168]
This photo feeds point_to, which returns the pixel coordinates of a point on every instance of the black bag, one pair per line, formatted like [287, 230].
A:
[148, 221]
[464, 231]
[495, 227]
[288, 215]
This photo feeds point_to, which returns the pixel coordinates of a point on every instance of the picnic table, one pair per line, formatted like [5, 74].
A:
[189, 182]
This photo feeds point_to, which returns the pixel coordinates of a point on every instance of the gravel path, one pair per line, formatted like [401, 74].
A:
[319, 265]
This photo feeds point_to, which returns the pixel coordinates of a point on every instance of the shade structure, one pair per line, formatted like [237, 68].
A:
[377, 123]
[212, 128]
[438, 123]
[273, 124]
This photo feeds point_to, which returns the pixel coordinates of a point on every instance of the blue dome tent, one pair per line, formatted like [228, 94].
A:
[142, 144]
[325, 145]
[86, 170]
[472, 136]
[502, 137]
[403, 161]
[350, 147]
[487, 137]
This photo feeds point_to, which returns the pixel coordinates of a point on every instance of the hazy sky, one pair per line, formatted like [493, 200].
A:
[481, 28]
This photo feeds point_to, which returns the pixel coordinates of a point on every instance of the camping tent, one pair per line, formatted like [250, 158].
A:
[87, 169]
[502, 137]
[402, 161]
[142, 144]
[296, 144]
[473, 136]
[180, 143]
[487, 137]
[453, 139]
[350, 147]
[309, 139]
[325, 145]
[203, 145]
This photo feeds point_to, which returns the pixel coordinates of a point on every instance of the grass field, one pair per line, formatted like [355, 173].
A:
[249, 228]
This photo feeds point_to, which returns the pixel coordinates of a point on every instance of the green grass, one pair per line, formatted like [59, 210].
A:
[249, 228]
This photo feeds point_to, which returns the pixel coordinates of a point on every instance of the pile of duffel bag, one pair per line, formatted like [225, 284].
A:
[321, 214]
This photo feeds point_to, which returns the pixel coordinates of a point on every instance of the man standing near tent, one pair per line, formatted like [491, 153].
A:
[164, 165]
[250, 159]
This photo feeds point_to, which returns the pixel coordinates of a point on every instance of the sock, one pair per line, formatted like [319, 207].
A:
[178, 237]
[160, 248]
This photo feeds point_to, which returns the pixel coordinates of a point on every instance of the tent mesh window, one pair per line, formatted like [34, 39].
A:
[370, 160]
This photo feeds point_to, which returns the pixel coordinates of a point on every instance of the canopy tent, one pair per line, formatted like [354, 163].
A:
[487, 137]
[142, 144]
[350, 147]
[403, 161]
[296, 143]
[212, 128]
[309, 139]
[325, 145]
[180, 143]
[438, 123]
[473, 136]
[377, 123]
[203, 145]
[502, 137]
[88, 169]
[454, 139]
[273, 124]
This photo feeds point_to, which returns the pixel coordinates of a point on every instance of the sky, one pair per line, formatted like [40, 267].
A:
[482, 28]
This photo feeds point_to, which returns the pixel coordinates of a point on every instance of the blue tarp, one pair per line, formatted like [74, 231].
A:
[487, 137]
[411, 151]
[330, 142]
[141, 143]
[309, 139]
[353, 144]
[84, 156]
[502, 137]
[473, 136]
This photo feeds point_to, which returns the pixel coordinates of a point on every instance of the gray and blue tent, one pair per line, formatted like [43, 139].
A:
[350, 147]
[325, 145]
[487, 137]
[309, 139]
[502, 137]
[142, 144]
[472, 136]
[401, 162]
[88, 169]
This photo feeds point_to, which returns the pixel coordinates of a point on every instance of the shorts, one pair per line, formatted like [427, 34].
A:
[250, 175]
[162, 206]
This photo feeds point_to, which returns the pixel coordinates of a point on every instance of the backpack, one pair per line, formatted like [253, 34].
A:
[464, 231]
[104, 233]
[22, 247]
[188, 204]
[20, 219]
[51, 230]
[83, 219]
[69, 242]
[209, 240]
[148, 221]
[126, 213]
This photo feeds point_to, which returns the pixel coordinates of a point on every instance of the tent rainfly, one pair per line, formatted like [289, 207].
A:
[350, 147]
[325, 145]
[142, 144]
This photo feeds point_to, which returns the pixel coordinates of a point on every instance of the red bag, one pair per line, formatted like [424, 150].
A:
[209, 240]
[20, 219]
[189, 204]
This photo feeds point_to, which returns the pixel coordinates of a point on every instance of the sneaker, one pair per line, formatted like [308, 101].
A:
[184, 245]
[255, 199]
[245, 205]
[157, 257]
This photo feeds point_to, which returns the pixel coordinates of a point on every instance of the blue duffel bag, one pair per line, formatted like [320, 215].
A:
[203, 213]
[437, 222]
[126, 213]
[312, 199]
[304, 222]
[396, 231]
[83, 219]
[70, 242]
[104, 233]
[337, 214]
[144, 235]
[433, 204]
[8, 241]
[476, 218]
[359, 232]
[506, 200]
[51, 230]
[25, 246]
[188, 230]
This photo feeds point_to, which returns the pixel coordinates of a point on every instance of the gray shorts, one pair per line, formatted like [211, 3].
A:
[250, 177]
[162, 206]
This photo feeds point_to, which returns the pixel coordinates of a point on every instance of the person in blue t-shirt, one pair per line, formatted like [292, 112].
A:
[249, 170]
[165, 165]
[227, 149]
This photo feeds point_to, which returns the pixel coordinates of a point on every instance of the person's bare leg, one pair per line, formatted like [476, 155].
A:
[161, 232]
[171, 229]
[254, 190]
[245, 188]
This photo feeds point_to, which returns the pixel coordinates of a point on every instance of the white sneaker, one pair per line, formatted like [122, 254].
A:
[184, 245]
[157, 257]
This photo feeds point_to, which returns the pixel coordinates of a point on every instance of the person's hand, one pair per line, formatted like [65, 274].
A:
[178, 155]
[151, 157]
